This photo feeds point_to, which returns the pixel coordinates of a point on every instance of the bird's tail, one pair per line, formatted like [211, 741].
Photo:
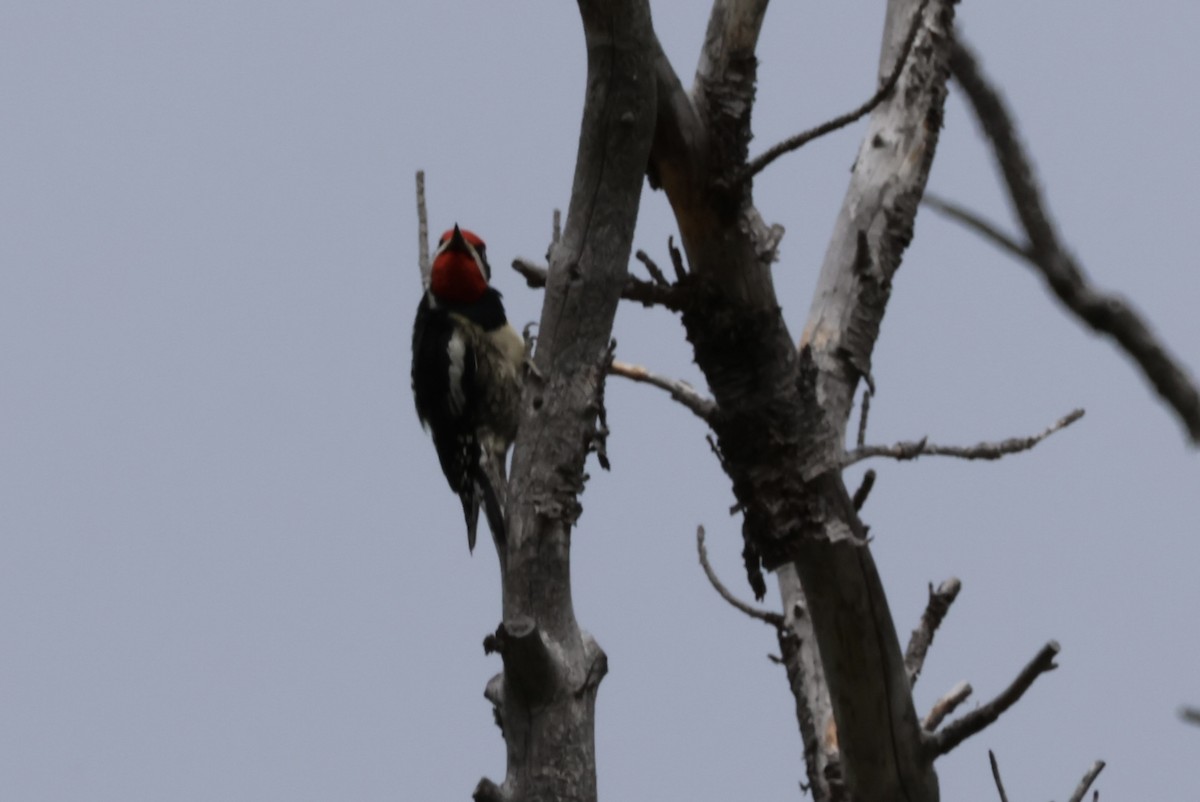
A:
[470, 505]
[493, 486]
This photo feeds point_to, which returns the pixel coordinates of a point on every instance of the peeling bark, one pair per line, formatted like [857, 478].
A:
[782, 411]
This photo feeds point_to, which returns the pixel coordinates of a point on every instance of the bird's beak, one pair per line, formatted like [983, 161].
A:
[456, 240]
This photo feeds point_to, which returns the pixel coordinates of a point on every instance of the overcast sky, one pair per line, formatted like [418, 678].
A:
[230, 568]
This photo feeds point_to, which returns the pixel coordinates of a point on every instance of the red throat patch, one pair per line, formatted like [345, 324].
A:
[457, 278]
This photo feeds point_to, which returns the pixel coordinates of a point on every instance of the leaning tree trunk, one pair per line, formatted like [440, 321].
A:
[545, 697]
[781, 410]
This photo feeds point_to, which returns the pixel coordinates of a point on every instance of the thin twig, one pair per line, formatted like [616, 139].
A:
[922, 637]
[988, 451]
[644, 292]
[652, 268]
[681, 391]
[864, 489]
[963, 728]
[774, 619]
[984, 228]
[996, 776]
[1086, 782]
[422, 230]
[862, 418]
[759, 163]
[1107, 314]
[946, 705]
[676, 259]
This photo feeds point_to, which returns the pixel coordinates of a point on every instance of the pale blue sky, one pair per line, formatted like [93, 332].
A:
[230, 567]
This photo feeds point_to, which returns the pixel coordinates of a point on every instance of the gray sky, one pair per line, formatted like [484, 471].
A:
[231, 568]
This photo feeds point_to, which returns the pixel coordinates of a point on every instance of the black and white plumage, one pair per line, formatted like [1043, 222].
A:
[466, 377]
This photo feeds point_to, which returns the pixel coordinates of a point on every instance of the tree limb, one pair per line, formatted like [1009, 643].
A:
[1086, 782]
[946, 705]
[1104, 313]
[963, 728]
[860, 496]
[861, 440]
[774, 619]
[806, 679]
[656, 274]
[647, 293]
[984, 228]
[759, 163]
[987, 451]
[922, 637]
[681, 391]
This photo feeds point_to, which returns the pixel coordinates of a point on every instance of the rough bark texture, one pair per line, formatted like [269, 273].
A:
[806, 679]
[782, 410]
[552, 668]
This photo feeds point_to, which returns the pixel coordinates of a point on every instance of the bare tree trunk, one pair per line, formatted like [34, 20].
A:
[781, 419]
[545, 697]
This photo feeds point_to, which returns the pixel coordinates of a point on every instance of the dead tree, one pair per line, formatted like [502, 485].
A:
[779, 405]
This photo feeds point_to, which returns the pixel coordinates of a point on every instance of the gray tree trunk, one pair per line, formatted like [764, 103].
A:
[545, 698]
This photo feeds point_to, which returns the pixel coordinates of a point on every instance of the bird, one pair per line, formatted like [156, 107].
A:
[467, 369]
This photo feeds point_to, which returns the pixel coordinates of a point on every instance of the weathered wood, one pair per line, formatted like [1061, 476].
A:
[782, 411]
[551, 667]
[806, 678]
[864, 666]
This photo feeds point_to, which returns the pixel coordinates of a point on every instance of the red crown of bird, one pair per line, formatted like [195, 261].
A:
[460, 270]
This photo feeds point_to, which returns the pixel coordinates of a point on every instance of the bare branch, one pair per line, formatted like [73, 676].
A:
[946, 705]
[922, 637]
[1086, 782]
[989, 451]
[1104, 313]
[806, 678]
[652, 268]
[422, 230]
[556, 227]
[488, 791]
[644, 292]
[759, 163]
[988, 230]
[1190, 714]
[864, 490]
[963, 728]
[681, 391]
[676, 260]
[996, 776]
[535, 275]
[862, 418]
[774, 619]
